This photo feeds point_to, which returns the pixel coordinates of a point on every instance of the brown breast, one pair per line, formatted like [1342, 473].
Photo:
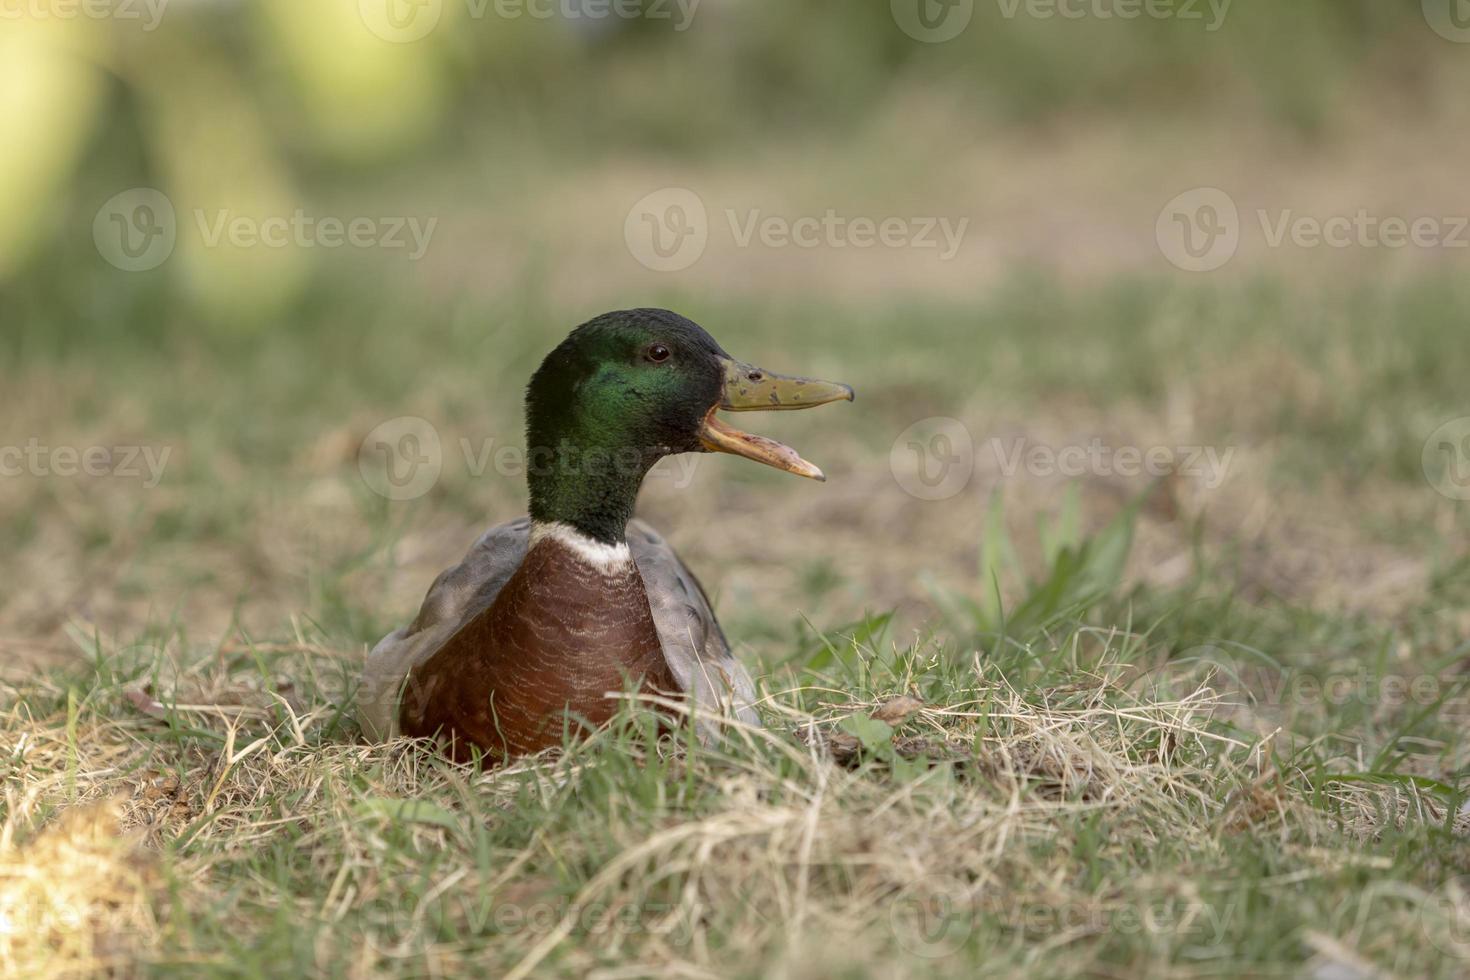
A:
[560, 635]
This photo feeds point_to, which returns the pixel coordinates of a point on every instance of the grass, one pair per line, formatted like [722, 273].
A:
[1050, 757]
[1043, 805]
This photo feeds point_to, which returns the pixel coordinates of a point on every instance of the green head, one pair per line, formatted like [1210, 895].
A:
[625, 390]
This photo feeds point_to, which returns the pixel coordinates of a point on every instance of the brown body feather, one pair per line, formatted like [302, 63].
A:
[560, 636]
[452, 629]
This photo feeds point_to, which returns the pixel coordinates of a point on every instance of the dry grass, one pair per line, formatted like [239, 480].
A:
[1064, 826]
[80, 898]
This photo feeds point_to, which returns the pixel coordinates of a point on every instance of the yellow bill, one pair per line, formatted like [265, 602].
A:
[751, 389]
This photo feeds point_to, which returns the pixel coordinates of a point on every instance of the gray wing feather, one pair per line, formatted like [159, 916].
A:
[457, 596]
[693, 643]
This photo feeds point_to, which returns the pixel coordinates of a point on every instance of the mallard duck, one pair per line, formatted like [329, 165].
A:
[549, 615]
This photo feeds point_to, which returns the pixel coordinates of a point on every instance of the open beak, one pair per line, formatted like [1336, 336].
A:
[751, 389]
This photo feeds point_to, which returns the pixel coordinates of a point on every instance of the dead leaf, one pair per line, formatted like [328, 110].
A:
[145, 703]
[895, 710]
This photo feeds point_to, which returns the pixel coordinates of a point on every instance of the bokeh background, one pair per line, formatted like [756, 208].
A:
[504, 166]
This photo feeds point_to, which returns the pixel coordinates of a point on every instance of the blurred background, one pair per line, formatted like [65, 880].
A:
[238, 239]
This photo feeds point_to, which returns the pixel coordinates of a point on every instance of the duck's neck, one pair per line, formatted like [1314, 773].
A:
[612, 560]
[588, 489]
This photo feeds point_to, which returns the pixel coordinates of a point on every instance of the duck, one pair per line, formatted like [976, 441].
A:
[551, 618]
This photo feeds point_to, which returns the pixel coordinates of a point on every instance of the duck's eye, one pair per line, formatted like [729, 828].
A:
[658, 353]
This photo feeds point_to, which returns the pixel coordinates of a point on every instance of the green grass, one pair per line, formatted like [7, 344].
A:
[1050, 808]
[1106, 776]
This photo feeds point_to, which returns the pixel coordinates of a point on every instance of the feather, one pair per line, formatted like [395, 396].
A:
[694, 645]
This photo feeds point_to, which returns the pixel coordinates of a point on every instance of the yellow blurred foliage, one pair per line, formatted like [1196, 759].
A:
[50, 90]
[360, 91]
[362, 94]
[220, 167]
